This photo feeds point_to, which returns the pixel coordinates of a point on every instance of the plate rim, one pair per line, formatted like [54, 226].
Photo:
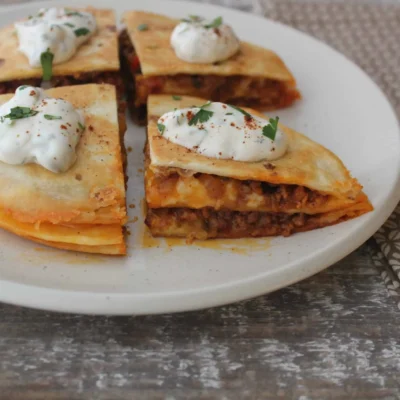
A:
[103, 303]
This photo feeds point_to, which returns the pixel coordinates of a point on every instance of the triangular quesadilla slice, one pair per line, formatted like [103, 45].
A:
[96, 61]
[82, 209]
[254, 76]
[191, 195]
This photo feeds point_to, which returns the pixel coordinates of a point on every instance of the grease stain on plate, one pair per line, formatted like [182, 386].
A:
[244, 246]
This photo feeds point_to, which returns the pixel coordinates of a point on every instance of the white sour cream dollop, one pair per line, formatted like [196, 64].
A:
[195, 42]
[227, 134]
[49, 134]
[58, 30]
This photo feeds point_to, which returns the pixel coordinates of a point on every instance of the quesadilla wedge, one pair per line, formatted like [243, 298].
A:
[82, 209]
[255, 76]
[199, 197]
[96, 61]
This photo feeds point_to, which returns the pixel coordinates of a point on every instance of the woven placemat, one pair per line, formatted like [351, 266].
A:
[369, 34]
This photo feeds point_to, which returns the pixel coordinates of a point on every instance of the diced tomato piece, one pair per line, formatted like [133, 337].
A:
[135, 64]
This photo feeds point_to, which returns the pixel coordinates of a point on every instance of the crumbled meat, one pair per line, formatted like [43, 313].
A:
[108, 77]
[226, 223]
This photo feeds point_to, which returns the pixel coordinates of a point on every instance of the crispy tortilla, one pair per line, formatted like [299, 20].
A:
[85, 206]
[158, 58]
[100, 53]
[93, 185]
[112, 250]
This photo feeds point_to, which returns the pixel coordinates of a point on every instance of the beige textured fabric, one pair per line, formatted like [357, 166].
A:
[366, 32]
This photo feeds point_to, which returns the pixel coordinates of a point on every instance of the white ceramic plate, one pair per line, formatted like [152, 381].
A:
[342, 109]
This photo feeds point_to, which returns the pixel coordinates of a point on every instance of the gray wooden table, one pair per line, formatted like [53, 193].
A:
[333, 336]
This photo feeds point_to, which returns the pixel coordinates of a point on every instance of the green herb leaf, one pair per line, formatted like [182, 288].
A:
[201, 116]
[81, 126]
[215, 23]
[229, 114]
[81, 32]
[177, 97]
[73, 13]
[50, 117]
[206, 105]
[46, 59]
[20, 112]
[240, 110]
[69, 24]
[143, 27]
[161, 128]
[23, 87]
[270, 130]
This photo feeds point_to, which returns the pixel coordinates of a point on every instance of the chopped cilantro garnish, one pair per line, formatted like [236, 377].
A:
[202, 115]
[81, 32]
[46, 59]
[143, 27]
[242, 111]
[270, 130]
[69, 24]
[215, 23]
[177, 97]
[50, 117]
[81, 126]
[206, 105]
[73, 13]
[161, 128]
[20, 112]
[229, 114]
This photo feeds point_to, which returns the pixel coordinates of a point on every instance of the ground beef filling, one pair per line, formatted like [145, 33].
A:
[208, 223]
[130, 66]
[253, 91]
[12, 86]
[107, 77]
